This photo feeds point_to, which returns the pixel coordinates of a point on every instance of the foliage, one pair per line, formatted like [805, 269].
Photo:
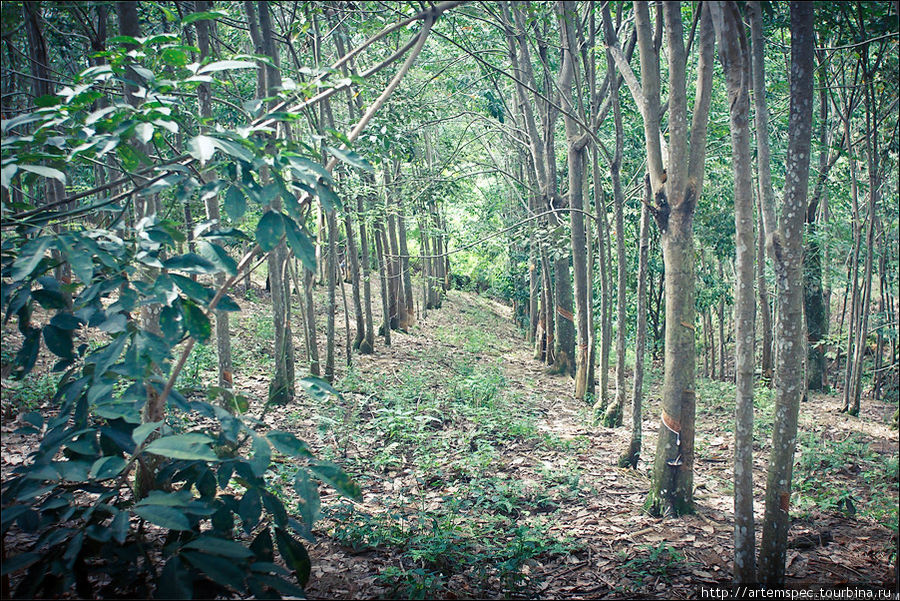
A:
[186, 499]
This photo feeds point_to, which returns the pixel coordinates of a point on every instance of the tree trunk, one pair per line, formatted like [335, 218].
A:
[385, 270]
[204, 96]
[671, 489]
[786, 247]
[632, 455]
[735, 57]
[281, 387]
[368, 343]
[576, 141]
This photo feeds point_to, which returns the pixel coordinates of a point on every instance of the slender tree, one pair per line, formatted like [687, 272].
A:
[785, 242]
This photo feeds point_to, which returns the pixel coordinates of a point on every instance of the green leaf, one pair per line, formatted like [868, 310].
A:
[45, 172]
[318, 389]
[327, 196]
[106, 467]
[161, 515]
[176, 581]
[6, 175]
[219, 570]
[144, 132]
[351, 158]
[183, 446]
[171, 323]
[269, 230]
[194, 290]
[333, 475]
[219, 546]
[191, 263]
[140, 434]
[235, 203]
[262, 455]
[49, 299]
[201, 148]
[225, 65]
[66, 321]
[29, 256]
[300, 243]
[250, 509]
[218, 256]
[310, 501]
[196, 322]
[294, 554]
[18, 562]
[119, 527]
[288, 444]
[202, 16]
[59, 341]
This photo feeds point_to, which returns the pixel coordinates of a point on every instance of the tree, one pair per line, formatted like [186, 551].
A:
[785, 244]
[735, 56]
[676, 195]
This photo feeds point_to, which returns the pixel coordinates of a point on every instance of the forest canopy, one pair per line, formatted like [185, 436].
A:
[272, 269]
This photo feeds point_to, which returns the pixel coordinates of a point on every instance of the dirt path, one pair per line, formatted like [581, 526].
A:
[616, 550]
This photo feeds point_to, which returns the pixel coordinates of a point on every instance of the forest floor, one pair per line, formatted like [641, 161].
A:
[483, 477]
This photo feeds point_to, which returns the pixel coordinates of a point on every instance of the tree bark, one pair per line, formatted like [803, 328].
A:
[735, 57]
[204, 97]
[786, 248]
[576, 141]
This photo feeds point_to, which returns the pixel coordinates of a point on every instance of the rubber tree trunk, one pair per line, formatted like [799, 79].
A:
[671, 488]
[735, 56]
[281, 387]
[613, 416]
[576, 141]
[632, 455]
[368, 343]
[204, 96]
[786, 248]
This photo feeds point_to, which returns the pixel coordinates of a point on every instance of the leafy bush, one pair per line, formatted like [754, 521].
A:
[134, 489]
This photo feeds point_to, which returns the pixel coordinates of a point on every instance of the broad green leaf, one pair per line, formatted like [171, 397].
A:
[59, 341]
[262, 455]
[309, 501]
[201, 148]
[219, 546]
[318, 388]
[107, 467]
[140, 434]
[235, 203]
[294, 554]
[176, 581]
[194, 290]
[336, 477]
[171, 323]
[328, 197]
[224, 65]
[351, 158]
[49, 299]
[183, 446]
[18, 562]
[288, 444]
[218, 256]
[66, 321]
[119, 527]
[196, 322]
[29, 256]
[191, 263]
[269, 230]
[250, 509]
[45, 172]
[161, 515]
[217, 569]
[144, 132]
[6, 175]
[300, 243]
[202, 16]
